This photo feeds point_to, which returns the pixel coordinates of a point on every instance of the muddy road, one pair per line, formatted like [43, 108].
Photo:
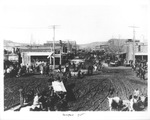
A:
[86, 94]
[92, 91]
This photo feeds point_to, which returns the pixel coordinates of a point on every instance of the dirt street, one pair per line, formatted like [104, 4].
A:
[86, 94]
[92, 91]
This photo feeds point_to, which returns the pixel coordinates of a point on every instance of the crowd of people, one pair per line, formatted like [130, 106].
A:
[141, 68]
[12, 69]
[17, 70]
[136, 102]
[46, 99]
[92, 63]
[44, 68]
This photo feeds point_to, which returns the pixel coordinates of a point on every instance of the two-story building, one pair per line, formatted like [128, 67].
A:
[141, 50]
[137, 50]
[127, 49]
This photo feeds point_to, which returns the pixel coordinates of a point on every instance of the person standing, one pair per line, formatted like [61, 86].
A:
[41, 69]
[59, 67]
[74, 66]
[21, 94]
[67, 68]
[50, 67]
[47, 69]
[27, 68]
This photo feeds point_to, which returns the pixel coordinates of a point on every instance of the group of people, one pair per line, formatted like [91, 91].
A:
[44, 99]
[17, 70]
[47, 99]
[140, 68]
[12, 69]
[44, 68]
[136, 102]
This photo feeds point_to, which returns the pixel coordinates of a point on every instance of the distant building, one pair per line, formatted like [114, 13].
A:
[32, 53]
[97, 48]
[124, 48]
[70, 46]
[101, 46]
[104, 47]
[140, 50]
[45, 52]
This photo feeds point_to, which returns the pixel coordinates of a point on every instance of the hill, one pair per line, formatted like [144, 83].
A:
[91, 45]
[8, 44]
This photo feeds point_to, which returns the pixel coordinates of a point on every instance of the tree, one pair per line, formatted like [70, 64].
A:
[115, 46]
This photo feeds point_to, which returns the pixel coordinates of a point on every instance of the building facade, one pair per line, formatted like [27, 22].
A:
[30, 54]
[45, 53]
[129, 50]
[137, 50]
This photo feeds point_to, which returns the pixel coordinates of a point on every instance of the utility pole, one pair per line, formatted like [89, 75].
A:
[31, 40]
[143, 38]
[54, 27]
[119, 45]
[54, 47]
[75, 48]
[133, 42]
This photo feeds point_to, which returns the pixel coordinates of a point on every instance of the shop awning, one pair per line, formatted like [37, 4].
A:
[39, 53]
[141, 53]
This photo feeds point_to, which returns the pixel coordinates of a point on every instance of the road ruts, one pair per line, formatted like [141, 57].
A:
[124, 86]
[90, 99]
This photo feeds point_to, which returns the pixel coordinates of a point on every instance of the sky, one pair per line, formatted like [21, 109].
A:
[30, 21]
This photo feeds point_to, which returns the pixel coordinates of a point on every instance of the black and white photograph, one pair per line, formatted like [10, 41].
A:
[77, 59]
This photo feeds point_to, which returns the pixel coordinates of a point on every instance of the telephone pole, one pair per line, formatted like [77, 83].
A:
[54, 47]
[53, 27]
[31, 40]
[133, 42]
[119, 45]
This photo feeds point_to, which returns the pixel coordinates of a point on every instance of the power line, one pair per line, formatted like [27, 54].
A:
[26, 27]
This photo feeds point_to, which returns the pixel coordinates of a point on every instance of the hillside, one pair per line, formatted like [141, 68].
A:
[91, 45]
[8, 44]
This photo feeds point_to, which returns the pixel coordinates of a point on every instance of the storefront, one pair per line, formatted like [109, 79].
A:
[31, 57]
[141, 56]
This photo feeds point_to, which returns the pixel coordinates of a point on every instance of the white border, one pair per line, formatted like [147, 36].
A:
[69, 115]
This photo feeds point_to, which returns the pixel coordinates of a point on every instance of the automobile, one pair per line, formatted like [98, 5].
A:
[84, 71]
[127, 64]
[114, 63]
[77, 61]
